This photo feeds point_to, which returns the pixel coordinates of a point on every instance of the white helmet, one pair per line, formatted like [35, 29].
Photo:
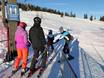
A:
[61, 29]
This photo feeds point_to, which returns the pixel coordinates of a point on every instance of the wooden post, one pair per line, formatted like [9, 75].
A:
[3, 10]
[12, 1]
[11, 28]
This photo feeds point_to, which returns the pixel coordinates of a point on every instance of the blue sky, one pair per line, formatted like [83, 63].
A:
[91, 7]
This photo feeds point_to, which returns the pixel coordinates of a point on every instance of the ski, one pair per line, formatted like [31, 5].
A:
[17, 70]
[12, 74]
[40, 73]
[31, 73]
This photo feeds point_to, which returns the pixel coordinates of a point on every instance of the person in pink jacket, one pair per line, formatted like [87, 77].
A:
[21, 41]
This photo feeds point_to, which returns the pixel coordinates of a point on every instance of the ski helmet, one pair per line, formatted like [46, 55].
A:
[37, 20]
[22, 24]
[61, 29]
[50, 31]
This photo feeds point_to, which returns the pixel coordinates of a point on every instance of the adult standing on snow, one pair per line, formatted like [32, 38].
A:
[21, 41]
[37, 39]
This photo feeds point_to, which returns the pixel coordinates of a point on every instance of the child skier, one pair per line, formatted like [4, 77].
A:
[22, 44]
[67, 37]
[50, 38]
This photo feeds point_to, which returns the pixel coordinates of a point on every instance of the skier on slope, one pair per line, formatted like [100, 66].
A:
[67, 37]
[50, 38]
[37, 39]
[22, 45]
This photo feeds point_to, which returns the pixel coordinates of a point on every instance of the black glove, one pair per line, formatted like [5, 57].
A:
[57, 41]
[28, 44]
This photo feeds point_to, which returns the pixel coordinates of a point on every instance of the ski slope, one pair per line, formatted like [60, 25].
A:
[89, 61]
[88, 52]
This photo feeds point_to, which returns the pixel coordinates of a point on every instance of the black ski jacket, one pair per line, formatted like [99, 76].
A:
[36, 37]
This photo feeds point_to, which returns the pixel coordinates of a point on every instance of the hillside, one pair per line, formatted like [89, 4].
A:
[89, 60]
[90, 36]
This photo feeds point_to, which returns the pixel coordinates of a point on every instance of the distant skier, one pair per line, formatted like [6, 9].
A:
[67, 37]
[22, 44]
[37, 38]
[50, 38]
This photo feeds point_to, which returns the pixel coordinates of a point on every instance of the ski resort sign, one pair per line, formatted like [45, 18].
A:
[12, 12]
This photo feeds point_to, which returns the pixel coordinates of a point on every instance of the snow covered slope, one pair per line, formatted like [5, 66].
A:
[88, 53]
[89, 61]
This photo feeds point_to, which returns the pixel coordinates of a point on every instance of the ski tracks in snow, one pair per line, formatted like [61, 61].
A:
[91, 68]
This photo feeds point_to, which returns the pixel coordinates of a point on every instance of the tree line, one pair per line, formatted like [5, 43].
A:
[93, 18]
[27, 7]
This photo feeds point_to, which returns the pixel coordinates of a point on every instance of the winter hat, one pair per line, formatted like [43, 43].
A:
[22, 24]
[37, 20]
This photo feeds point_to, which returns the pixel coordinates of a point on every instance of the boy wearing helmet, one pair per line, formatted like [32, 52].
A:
[37, 39]
[67, 37]
[21, 41]
[50, 38]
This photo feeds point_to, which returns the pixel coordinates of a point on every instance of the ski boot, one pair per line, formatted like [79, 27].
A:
[14, 71]
[70, 57]
[23, 72]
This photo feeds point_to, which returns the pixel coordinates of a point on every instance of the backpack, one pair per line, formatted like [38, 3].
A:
[67, 36]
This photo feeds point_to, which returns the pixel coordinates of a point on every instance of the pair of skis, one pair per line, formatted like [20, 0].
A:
[39, 61]
[12, 74]
[17, 71]
[50, 60]
[41, 70]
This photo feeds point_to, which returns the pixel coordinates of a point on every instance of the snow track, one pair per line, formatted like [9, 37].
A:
[86, 67]
[90, 66]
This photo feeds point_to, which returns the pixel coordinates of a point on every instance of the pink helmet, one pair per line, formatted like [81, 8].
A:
[22, 24]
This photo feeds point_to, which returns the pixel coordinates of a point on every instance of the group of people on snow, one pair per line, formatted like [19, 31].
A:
[39, 44]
